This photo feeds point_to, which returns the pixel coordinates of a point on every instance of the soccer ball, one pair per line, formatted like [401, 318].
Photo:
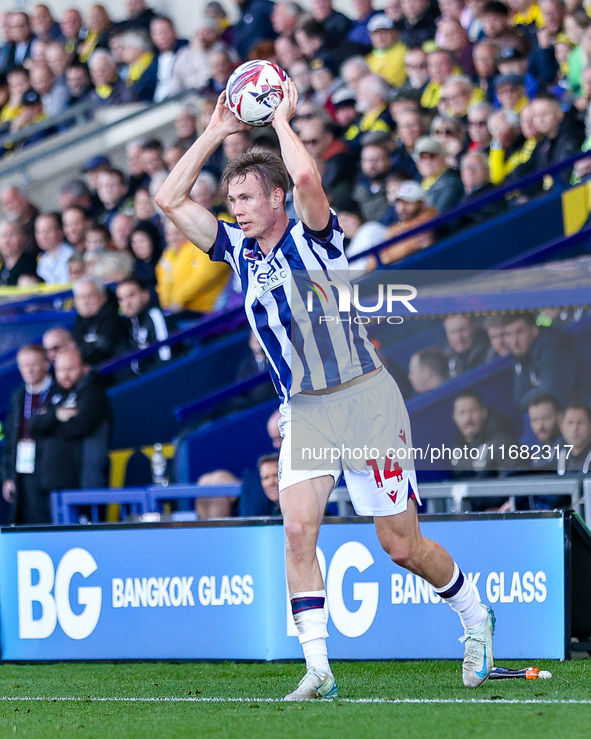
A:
[254, 91]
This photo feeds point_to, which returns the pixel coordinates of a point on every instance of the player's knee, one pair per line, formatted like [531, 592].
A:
[299, 534]
[400, 551]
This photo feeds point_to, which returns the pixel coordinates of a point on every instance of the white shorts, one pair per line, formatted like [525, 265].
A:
[363, 433]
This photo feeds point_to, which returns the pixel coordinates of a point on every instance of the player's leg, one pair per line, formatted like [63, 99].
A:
[303, 505]
[401, 537]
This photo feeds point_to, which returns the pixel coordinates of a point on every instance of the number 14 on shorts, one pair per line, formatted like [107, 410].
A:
[391, 469]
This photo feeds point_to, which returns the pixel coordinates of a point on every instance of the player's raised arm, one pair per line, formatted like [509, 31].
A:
[309, 198]
[197, 223]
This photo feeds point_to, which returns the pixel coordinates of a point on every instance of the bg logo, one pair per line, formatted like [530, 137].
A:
[393, 294]
[56, 607]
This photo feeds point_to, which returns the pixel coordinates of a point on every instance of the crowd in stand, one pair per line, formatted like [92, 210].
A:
[408, 111]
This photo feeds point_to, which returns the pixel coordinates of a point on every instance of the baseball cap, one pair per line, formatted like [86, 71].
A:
[509, 79]
[380, 22]
[343, 97]
[31, 97]
[428, 145]
[323, 62]
[411, 192]
[96, 162]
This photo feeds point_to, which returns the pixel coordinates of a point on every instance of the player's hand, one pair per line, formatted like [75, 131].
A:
[9, 491]
[287, 107]
[223, 118]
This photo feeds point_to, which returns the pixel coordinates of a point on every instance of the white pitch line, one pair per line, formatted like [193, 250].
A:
[202, 699]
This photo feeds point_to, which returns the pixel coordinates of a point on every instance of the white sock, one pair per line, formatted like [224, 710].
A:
[310, 619]
[463, 598]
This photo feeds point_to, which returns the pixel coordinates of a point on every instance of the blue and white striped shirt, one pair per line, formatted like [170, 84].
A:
[291, 298]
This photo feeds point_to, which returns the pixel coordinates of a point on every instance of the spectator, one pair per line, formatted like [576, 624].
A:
[144, 243]
[514, 61]
[99, 24]
[544, 419]
[497, 29]
[442, 184]
[164, 38]
[345, 112]
[19, 209]
[31, 113]
[73, 32]
[97, 239]
[221, 64]
[112, 192]
[359, 236]
[370, 188]
[143, 207]
[152, 161]
[73, 426]
[79, 83]
[324, 82]
[253, 26]
[372, 105]
[353, 71]
[335, 24]
[44, 25]
[410, 129]
[109, 88]
[15, 260]
[22, 472]
[187, 280]
[58, 60]
[98, 331]
[76, 194]
[415, 66]
[76, 223]
[207, 508]
[334, 161]
[137, 177]
[510, 92]
[53, 263]
[494, 327]
[22, 38]
[449, 132]
[561, 135]
[191, 68]
[467, 345]
[285, 16]
[55, 339]
[287, 51]
[185, 127]
[484, 56]
[478, 132]
[140, 16]
[268, 466]
[388, 51]
[453, 37]
[145, 324]
[358, 33]
[475, 175]
[412, 211]
[110, 266]
[54, 93]
[121, 227]
[76, 266]
[440, 65]
[428, 369]
[417, 24]
[142, 63]
[482, 435]
[575, 426]
[457, 95]
[508, 148]
[544, 361]
[18, 83]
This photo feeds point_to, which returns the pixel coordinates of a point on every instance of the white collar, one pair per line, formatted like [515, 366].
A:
[44, 385]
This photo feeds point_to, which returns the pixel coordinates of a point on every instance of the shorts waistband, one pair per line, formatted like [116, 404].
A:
[354, 391]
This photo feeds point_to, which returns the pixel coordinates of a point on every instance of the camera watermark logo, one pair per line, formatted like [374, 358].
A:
[387, 297]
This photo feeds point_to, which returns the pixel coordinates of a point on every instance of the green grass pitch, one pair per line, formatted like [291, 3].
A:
[417, 699]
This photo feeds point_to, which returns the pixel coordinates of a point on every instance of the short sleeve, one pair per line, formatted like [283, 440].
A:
[222, 246]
